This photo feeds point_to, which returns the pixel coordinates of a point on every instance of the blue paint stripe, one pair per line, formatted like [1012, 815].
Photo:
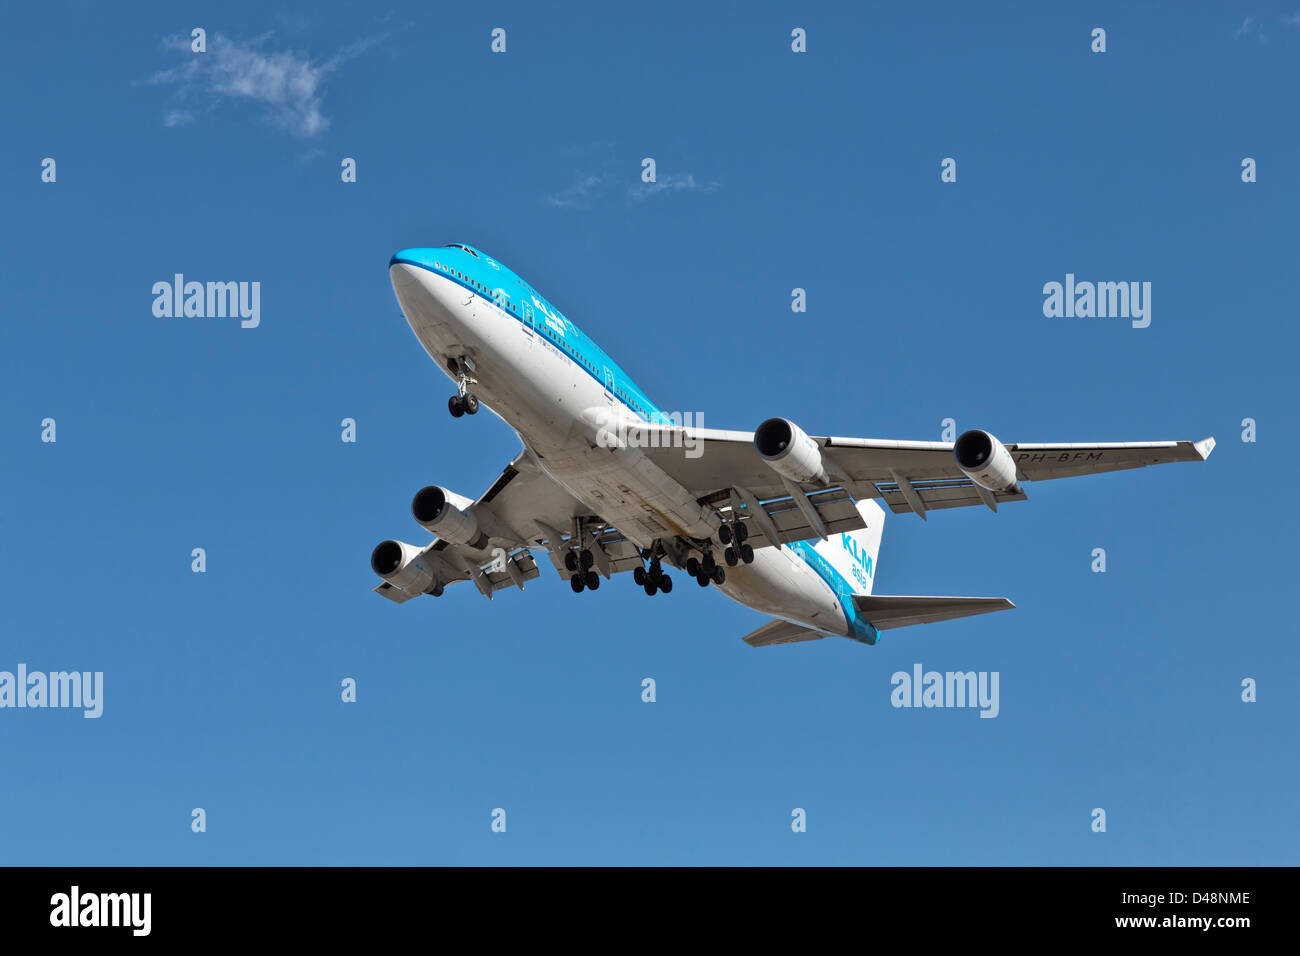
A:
[594, 354]
[860, 628]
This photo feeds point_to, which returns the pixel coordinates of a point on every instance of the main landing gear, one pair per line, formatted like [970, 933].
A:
[739, 551]
[464, 402]
[582, 576]
[706, 570]
[653, 578]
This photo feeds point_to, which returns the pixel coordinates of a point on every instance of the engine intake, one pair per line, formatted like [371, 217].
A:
[403, 565]
[446, 514]
[985, 460]
[789, 451]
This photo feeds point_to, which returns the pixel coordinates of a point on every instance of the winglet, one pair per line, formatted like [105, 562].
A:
[1204, 447]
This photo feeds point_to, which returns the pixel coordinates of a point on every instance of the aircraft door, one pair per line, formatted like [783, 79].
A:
[527, 322]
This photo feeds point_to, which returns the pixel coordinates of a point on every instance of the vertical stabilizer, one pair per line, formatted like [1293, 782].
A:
[855, 554]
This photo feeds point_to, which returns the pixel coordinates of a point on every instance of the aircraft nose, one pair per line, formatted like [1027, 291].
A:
[405, 264]
[420, 295]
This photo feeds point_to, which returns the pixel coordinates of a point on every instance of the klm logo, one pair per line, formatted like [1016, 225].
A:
[850, 544]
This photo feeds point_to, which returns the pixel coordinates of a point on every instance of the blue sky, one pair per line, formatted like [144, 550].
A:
[780, 170]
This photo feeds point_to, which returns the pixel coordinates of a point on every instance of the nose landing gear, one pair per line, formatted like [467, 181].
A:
[464, 402]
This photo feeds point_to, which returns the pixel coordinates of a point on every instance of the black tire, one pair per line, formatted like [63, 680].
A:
[719, 575]
[587, 558]
[575, 582]
[650, 587]
[638, 575]
[471, 403]
[593, 580]
[570, 561]
[702, 580]
[747, 553]
[708, 564]
[730, 557]
[693, 566]
[455, 407]
[724, 534]
[666, 584]
[742, 533]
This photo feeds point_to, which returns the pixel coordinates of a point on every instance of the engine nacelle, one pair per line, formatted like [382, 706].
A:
[788, 449]
[985, 460]
[446, 514]
[403, 565]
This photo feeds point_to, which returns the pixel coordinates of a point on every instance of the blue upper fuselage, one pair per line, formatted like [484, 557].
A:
[484, 276]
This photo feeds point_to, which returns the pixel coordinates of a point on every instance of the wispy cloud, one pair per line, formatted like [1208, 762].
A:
[581, 193]
[1260, 29]
[590, 188]
[673, 182]
[287, 87]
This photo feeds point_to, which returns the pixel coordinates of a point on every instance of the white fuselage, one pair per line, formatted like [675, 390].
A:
[556, 407]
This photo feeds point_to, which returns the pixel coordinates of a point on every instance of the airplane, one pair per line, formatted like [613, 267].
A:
[784, 523]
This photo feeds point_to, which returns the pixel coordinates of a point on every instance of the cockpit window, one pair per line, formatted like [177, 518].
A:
[457, 245]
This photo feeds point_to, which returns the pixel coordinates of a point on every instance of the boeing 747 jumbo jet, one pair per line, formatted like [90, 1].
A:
[782, 522]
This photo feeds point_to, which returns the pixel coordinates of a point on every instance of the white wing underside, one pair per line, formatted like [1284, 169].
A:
[525, 509]
[891, 470]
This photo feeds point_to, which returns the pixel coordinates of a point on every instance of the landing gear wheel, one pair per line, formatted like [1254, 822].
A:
[638, 575]
[742, 533]
[665, 584]
[587, 558]
[593, 580]
[470, 401]
[730, 557]
[437, 590]
[575, 582]
[702, 580]
[719, 575]
[455, 407]
[693, 566]
[708, 564]
[724, 534]
[570, 561]
[747, 553]
[650, 587]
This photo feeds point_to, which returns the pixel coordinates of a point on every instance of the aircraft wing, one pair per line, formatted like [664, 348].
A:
[522, 509]
[915, 476]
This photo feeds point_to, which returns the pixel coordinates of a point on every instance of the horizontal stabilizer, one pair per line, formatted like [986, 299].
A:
[781, 632]
[886, 611]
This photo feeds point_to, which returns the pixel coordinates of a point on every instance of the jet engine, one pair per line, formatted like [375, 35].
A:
[446, 514]
[403, 565]
[789, 451]
[985, 460]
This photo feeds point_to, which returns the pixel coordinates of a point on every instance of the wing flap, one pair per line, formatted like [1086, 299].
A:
[937, 495]
[393, 593]
[834, 507]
